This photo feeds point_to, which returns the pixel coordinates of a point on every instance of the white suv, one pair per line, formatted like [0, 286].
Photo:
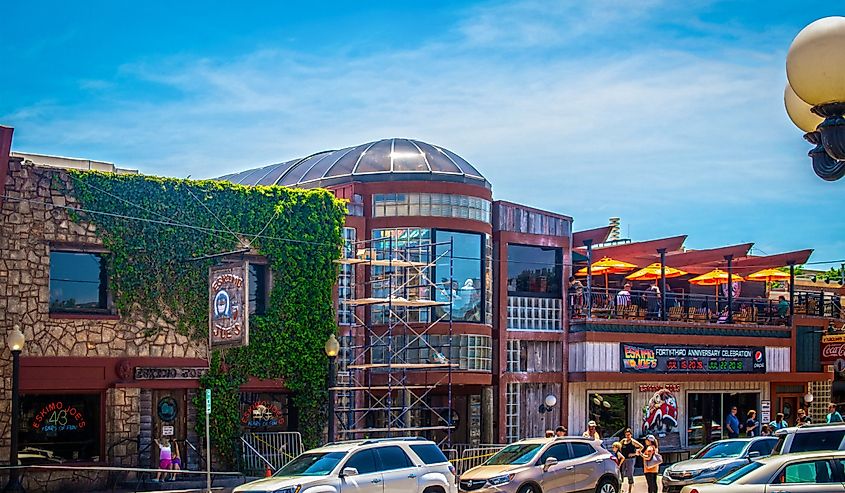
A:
[409, 465]
[810, 438]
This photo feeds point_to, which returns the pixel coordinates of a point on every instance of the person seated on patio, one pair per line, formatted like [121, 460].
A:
[723, 317]
[783, 308]
[623, 297]
[652, 297]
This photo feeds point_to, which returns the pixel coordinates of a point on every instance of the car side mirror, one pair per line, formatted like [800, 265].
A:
[753, 454]
[549, 463]
[349, 471]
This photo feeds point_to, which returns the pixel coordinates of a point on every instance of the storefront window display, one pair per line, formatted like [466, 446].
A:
[59, 428]
[706, 413]
[610, 412]
[263, 411]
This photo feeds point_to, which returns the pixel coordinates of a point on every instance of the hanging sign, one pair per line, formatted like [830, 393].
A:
[649, 358]
[228, 304]
[833, 348]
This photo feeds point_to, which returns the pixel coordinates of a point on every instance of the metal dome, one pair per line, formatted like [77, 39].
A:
[382, 160]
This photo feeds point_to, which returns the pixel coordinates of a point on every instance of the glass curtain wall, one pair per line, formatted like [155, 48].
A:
[534, 271]
[467, 292]
[412, 244]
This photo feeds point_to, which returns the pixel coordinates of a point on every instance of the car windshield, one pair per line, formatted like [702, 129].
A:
[742, 471]
[721, 450]
[314, 464]
[514, 454]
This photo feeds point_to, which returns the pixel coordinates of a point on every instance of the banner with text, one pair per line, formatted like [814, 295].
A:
[648, 358]
[833, 348]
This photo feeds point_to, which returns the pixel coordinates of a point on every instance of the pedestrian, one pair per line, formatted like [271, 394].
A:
[591, 431]
[616, 455]
[732, 424]
[175, 461]
[550, 434]
[630, 449]
[765, 431]
[833, 415]
[651, 462]
[165, 456]
[801, 419]
[752, 426]
[778, 424]
[560, 431]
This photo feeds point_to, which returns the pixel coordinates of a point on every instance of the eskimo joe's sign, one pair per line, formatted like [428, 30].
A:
[833, 348]
[58, 416]
[228, 304]
[649, 358]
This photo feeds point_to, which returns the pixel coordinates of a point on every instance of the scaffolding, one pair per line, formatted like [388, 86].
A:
[386, 385]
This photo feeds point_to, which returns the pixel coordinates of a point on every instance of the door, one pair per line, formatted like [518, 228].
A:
[557, 478]
[788, 405]
[170, 422]
[368, 479]
[810, 476]
[586, 465]
[398, 471]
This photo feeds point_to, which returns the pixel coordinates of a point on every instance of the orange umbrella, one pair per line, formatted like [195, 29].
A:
[652, 273]
[607, 266]
[715, 277]
[767, 276]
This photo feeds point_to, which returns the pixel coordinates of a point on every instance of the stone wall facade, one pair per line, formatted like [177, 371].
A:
[34, 219]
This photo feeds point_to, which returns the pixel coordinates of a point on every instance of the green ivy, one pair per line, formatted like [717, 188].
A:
[151, 275]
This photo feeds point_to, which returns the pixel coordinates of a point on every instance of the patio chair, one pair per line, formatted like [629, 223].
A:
[701, 315]
[619, 311]
[632, 311]
[676, 313]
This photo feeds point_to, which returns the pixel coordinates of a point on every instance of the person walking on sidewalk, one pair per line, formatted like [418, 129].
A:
[651, 462]
[630, 450]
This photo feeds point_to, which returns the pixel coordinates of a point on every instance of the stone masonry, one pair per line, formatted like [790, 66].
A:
[32, 218]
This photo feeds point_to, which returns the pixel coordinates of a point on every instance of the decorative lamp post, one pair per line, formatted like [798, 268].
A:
[16, 341]
[815, 67]
[332, 349]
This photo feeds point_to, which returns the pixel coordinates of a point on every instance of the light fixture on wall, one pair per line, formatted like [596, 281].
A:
[808, 398]
[548, 403]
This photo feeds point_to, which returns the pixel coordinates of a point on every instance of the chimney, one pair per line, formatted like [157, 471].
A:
[615, 229]
[5, 150]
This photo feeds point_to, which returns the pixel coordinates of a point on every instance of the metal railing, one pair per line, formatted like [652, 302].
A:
[268, 449]
[818, 304]
[474, 456]
[680, 307]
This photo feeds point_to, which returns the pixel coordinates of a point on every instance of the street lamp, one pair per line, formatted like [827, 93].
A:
[16, 341]
[815, 94]
[332, 348]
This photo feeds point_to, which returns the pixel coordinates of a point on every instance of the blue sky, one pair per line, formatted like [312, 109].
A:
[668, 114]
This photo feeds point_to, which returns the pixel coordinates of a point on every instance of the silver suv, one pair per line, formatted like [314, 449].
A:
[410, 465]
[810, 438]
[546, 465]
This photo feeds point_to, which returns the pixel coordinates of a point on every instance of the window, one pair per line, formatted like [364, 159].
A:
[817, 471]
[559, 451]
[431, 204]
[534, 313]
[534, 271]
[393, 457]
[346, 280]
[412, 244]
[364, 461]
[315, 464]
[817, 440]
[610, 412]
[763, 447]
[706, 413]
[466, 295]
[429, 454]
[78, 282]
[581, 450]
[63, 427]
[257, 289]
[512, 412]
[264, 411]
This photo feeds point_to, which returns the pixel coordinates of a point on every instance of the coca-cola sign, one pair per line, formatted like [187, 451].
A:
[833, 348]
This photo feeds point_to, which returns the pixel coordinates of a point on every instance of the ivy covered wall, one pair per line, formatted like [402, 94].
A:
[153, 227]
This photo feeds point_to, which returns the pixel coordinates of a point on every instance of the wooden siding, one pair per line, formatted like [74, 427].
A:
[778, 359]
[594, 356]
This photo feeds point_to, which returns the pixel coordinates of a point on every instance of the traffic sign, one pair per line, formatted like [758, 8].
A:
[207, 401]
[839, 365]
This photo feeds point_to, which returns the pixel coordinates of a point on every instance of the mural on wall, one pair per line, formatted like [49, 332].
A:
[660, 414]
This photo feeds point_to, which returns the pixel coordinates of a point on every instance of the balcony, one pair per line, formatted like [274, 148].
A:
[687, 314]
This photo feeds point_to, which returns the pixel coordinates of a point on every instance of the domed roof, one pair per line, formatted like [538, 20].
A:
[382, 160]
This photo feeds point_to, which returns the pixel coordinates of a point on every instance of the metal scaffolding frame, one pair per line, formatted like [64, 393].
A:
[376, 394]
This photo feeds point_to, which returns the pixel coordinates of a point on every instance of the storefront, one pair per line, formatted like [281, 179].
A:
[680, 393]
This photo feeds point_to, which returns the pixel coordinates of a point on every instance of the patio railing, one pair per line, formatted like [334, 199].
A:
[680, 307]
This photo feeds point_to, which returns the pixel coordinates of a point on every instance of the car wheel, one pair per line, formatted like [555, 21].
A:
[607, 486]
[527, 488]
